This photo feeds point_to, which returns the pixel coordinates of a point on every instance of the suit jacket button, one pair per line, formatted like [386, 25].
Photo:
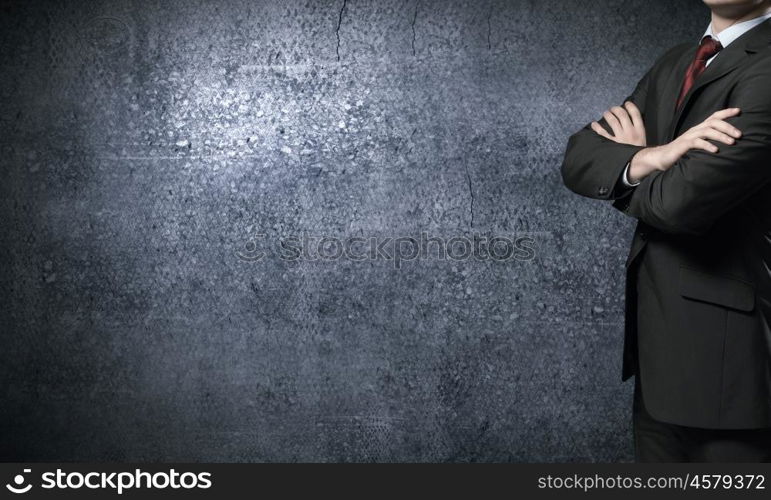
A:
[602, 191]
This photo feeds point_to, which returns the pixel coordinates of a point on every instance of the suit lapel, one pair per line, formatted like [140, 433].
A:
[670, 92]
[726, 61]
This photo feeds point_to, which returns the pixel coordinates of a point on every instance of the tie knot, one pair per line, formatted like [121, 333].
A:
[708, 48]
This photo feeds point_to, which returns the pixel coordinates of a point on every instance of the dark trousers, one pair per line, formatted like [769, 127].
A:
[656, 441]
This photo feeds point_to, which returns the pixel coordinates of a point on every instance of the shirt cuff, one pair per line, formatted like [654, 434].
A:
[625, 178]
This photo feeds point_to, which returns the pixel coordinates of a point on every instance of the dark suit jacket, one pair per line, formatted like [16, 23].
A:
[698, 308]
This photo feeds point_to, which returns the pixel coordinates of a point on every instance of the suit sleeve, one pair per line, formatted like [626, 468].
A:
[701, 187]
[593, 165]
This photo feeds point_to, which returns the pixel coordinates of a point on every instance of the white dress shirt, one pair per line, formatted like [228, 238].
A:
[728, 35]
[725, 37]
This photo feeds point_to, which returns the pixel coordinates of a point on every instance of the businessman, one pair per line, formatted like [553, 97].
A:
[688, 155]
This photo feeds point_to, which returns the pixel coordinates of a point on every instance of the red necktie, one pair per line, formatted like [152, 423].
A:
[707, 48]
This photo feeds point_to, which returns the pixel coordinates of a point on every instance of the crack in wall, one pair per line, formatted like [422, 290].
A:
[489, 27]
[471, 196]
[414, 18]
[337, 30]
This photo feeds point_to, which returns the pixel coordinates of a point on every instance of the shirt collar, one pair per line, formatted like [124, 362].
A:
[728, 35]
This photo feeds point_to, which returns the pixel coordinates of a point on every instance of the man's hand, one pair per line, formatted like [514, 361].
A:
[626, 124]
[648, 160]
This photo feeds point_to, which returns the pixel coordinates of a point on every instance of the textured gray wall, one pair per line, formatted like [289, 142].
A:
[146, 143]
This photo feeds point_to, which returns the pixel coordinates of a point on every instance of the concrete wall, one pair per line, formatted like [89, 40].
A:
[155, 154]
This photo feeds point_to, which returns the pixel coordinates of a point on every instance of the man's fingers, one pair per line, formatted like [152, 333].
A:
[714, 128]
[615, 125]
[600, 130]
[634, 114]
[622, 115]
[725, 127]
[717, 135]
[705, 145]
[726, 113]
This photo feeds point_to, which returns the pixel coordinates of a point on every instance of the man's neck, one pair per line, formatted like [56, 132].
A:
[722, 21]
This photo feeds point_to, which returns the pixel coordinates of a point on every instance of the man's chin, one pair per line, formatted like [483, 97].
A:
[734, 9]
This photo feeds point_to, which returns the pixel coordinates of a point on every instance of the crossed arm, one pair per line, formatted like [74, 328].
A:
[687, 184]
[628, 128]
